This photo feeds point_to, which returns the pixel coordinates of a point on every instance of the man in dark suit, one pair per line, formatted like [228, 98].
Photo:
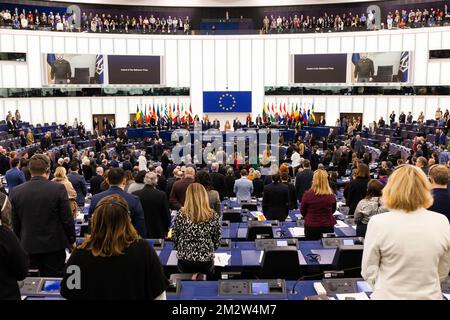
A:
[275, 203]
[402, 117]
[218, 180]
[42, 219]
[98, 144]
[237, 124]
[14, 176]
[303, 179]
[162, 181]
[409, 118]
[156, 207]
[105, 123]
[78, 183]
[46, 141]
[4, 161]
[96, 181]
[178, 192]
[259, 121]
[116, 180]
[392, 118]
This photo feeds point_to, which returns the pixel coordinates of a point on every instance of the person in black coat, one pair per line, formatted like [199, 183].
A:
[258, 184]
[98, 144]
[156, 207]
[42, 219]
[292, 193]
[357, 188]
[4, 162]
[218, 180]
[78, 183]
[23, 139]
[303, 180]
[229, 183]
[275, 203]
[13, 258]
[96, 181]
[162, 181]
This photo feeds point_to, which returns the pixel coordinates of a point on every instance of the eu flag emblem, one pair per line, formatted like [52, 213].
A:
[227, 101]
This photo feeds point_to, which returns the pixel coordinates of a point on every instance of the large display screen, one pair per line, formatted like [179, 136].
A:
[138, 70]
[73, 69]
[320, 68]
[381, 67]
[352, 68]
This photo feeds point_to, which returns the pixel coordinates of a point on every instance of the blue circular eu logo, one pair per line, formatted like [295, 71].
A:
[227, 102]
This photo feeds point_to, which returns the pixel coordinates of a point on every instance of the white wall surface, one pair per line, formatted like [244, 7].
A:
[241, 62]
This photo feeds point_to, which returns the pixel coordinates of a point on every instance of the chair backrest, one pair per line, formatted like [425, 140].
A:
[280, 262]
[384, 74]
[232, 215]
[259, 231]
[349, 257]
[81, 76]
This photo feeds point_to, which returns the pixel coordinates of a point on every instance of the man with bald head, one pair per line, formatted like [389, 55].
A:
[178, 192]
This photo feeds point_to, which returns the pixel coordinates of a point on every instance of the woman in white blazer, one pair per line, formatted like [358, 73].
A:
[407, 250]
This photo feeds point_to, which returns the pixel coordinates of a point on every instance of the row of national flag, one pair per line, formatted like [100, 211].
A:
[273, 113]
[164, 113]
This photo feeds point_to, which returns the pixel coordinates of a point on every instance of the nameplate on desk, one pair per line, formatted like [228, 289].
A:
[336, 242]
[297, 232]
[271, 243]
[274, 287]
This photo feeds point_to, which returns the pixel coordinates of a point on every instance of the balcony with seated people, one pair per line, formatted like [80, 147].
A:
[240, 20]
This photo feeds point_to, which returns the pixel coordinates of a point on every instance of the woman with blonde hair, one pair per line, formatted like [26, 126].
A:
[61, 177]
[407, 250]
[317, 207]
[196, 232]
[114, 247]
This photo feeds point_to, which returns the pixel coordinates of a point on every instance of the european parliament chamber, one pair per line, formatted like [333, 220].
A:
[249, 152]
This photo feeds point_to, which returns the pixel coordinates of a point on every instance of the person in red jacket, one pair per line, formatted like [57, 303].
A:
[317, 207]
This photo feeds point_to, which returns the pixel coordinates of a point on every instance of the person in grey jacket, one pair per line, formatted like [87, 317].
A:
[243, 187]
[369, 206]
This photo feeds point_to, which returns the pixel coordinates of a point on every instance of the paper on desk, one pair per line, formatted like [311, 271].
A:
[326, 255]
[297, 232]
[341, 224]
[221, 259]
[446, 295]
[353, 296]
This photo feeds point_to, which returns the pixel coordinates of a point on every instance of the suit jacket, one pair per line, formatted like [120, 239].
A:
[162, 183]
[303, 180]
[258, 187]
[14, 177]
[355, 192]
[136, 211]
[156, 211]
[41, 216]
[79, 184]
[178, 193]
[292, 196]
[276, 201]
[96, 181]
[218, 181]
[228, 186]
[243, 189]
